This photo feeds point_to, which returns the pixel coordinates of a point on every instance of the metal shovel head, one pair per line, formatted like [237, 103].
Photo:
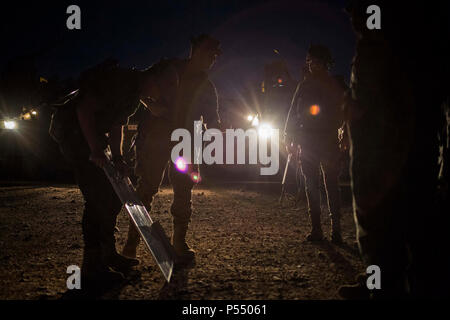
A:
[154, 238]
[151, 232]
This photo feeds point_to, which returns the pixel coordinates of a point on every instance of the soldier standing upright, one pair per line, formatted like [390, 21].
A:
[195, 99]
[317, 102]
[395, 124]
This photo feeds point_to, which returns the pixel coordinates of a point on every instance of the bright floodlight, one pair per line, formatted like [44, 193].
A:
[265, 130]
[34, 112]
[10, 125]
[250, 117]
[255, 122]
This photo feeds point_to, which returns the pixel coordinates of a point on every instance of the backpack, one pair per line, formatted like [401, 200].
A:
[107, 81]
[64, 120]
[164, 63]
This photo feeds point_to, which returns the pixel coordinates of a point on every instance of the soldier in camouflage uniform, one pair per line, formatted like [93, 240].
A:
[395, 121]
[84, 128]
[195, 99]
[317, 102]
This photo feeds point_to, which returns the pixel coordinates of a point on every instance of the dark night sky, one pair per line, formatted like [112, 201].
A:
[139, 33]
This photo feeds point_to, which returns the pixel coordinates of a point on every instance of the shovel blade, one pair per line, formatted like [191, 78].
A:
[154, 238]
[151, 232]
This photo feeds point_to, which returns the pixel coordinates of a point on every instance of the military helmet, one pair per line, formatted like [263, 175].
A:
[206, 42]
[321, 53]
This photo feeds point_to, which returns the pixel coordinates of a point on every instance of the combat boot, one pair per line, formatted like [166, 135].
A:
[316, 234]
[336, 235]
[120, 263]
[184, 252]
[115, 260]
[356, 291]
[95, 274]
[336, 238]
[129, 250]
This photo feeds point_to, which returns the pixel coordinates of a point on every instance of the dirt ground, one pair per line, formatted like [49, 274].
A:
[248, 247]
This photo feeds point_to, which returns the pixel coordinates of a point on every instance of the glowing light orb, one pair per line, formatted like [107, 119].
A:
[280, 80]
[180, 165]
[314, 110]
[250, 117]
[195, 176]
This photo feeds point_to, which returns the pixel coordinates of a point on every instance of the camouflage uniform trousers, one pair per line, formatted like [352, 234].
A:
[152, 161]
[394, 172]
[319, 161]
[101, 204]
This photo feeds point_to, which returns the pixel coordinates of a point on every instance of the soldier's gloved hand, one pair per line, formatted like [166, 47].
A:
[98, 158]
[121, 166]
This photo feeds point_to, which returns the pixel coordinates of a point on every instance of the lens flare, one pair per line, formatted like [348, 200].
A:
[181, 165]
[195, 176]
[314, 110]
[255, 122]
[250, 117]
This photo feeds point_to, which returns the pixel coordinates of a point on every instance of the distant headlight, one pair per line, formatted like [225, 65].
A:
[250, 118]
[10, 125]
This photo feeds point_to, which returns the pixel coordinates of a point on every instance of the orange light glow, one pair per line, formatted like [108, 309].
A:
[280, 80]
[314, 110]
